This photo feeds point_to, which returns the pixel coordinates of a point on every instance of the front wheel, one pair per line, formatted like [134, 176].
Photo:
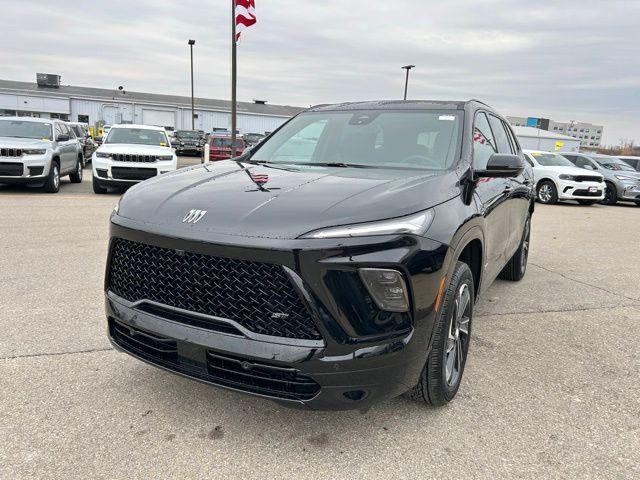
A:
[76, 177]
[515, 269]
[52, 184]
[441, 376]
[547, 192]
[610, 194]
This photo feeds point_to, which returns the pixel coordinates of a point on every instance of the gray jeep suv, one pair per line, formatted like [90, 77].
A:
[622, 180]
[37, 151]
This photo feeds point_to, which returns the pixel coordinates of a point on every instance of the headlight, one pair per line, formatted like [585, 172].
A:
[567, 177]
[34, 151]
[387, 288]
[625, 178]
[103, 155]
[165, 157]
[416, 224]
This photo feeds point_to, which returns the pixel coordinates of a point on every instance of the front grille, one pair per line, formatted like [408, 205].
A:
[259, 296]
[11, 169]
[587, 193]
[128, 173]
[587, 178]
[10, 152]
[260, 378]
[122, 157]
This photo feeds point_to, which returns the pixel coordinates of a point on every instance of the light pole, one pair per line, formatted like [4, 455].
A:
[193, 110]
[406, 83]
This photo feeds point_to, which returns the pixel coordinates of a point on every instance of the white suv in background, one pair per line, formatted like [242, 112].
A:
[131, 154]
[556, 178]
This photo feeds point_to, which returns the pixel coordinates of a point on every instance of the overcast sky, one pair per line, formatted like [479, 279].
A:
[565, 60]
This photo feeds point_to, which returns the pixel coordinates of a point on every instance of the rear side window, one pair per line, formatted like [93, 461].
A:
[501, 136]
[484, 144]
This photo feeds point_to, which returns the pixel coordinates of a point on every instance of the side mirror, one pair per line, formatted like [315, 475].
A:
[501, 165]
[63, 138]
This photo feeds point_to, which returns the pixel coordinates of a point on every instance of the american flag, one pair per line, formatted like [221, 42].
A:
[259, 178]
[245, 15]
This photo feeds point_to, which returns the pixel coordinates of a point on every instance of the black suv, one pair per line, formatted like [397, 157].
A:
[188, 142]
[335, 265]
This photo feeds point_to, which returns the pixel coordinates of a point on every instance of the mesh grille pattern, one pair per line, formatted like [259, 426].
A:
[130, 173]
[11, 169]
[258, 296]
[587, 178]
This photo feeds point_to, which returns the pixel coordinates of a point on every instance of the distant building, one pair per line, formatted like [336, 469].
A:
[588, 134]
[47, 98]
[532, 138]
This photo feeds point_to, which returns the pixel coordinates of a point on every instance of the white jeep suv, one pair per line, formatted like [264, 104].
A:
[131, 154]
[556, 178]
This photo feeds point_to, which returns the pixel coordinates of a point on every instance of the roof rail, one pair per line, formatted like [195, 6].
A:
[481, 102]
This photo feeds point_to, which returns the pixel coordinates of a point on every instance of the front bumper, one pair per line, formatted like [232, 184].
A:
[111, 173]
[570, 190]
[28, 169]
[188, 149]
[629, 191]
[343, 370]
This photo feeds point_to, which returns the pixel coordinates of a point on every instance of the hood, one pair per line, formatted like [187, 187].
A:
[576, 171]
[282, 202]
[134, 148]
[13, 142]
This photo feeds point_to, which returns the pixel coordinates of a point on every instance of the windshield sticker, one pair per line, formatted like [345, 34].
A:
[162, 144]
[447, 118]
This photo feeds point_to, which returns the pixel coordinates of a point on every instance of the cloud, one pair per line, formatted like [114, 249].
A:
[564, 60]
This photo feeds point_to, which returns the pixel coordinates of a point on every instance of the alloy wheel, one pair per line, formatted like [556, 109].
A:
[79, 170]
[545, 193]
[56, 176]
[458, 337]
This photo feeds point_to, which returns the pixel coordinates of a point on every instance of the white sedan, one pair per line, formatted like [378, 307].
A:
[557, 179]
[131, 154]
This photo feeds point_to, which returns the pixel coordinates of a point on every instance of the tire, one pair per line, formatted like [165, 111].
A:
[547, 192]
[637, 204]
[610, 194]
[97, 188]
[76, 177]
[52, 185]
[516, 268]
[586, 202]
[440, 380]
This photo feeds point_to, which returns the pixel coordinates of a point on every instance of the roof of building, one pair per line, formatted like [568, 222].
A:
[69, 91]
[531, 132]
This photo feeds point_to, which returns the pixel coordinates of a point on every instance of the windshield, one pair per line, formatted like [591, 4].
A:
[187, 134]
[423, 139]
[21, 129]
[552, 160]
[226, 142]
[611, 163]
[137, 136]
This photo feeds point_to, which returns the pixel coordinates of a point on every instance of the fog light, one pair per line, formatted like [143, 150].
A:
[387, 288]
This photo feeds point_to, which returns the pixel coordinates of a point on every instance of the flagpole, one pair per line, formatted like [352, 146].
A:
[234, 72]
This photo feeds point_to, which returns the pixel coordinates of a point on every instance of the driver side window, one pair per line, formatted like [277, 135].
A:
[484, 144]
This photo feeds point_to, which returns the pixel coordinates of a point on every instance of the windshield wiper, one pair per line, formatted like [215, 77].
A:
[339, 165]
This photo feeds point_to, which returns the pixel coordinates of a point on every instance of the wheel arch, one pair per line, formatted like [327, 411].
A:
[470, 249]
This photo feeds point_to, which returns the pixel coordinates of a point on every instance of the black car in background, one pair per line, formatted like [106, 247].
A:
[188, 142]
[335, 265]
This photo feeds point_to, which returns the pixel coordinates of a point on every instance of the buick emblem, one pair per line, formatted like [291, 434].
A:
[194, 216]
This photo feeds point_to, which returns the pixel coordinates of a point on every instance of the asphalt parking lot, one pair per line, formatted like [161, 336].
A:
[551, 388]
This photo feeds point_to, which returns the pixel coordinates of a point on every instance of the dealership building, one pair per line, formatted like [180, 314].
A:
[47, 98]
[588, 134]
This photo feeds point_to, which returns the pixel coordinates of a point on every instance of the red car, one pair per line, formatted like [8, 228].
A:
[220, 147]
